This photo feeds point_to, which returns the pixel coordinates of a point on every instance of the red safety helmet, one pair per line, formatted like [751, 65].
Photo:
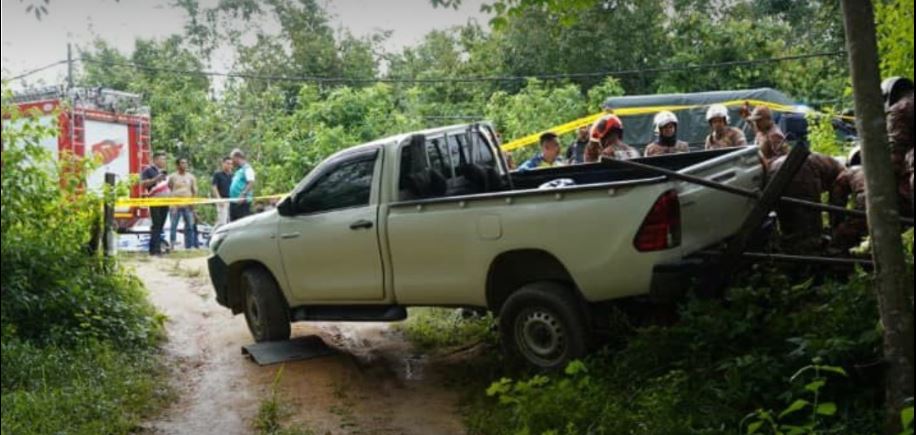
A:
[604, 125]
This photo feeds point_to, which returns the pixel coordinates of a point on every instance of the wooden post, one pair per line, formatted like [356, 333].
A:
[714, 283]
[108, 220]
[891, 287]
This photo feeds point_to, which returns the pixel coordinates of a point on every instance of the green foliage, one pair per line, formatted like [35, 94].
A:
[706, 373]
[89, 389]
[822, 135]
[78, 332]
[895, 36]
[53, 291]
[429, 328]
[535, 108]
[765, 421]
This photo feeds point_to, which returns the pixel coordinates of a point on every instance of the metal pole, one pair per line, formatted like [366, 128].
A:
[69, 67]
[796, 258]
[108, 234]
[744, 192]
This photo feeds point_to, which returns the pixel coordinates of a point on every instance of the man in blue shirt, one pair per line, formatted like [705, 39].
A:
[549, 155]
[241, 191]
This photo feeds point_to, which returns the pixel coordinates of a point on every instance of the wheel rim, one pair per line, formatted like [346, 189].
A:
[540, 336]
[253, 315]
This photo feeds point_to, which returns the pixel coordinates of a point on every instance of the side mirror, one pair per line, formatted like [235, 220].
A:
[286, 208]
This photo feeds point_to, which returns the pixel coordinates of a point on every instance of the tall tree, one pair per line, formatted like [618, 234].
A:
[891, 284]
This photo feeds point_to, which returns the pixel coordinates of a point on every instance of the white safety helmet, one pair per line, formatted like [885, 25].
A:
[664, 118]
[717, 111]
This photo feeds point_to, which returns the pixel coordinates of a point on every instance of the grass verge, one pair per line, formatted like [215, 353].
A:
[89, 389]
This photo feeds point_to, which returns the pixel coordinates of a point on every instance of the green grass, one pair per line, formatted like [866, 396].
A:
[435, 328]
[273, 413]
[92, 389]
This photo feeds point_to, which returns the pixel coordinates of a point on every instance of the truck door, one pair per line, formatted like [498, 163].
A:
[329, 238]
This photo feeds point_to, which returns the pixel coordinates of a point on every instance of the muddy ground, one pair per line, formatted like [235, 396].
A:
[374, 384]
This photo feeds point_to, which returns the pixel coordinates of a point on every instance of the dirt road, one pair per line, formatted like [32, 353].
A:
[374, 385]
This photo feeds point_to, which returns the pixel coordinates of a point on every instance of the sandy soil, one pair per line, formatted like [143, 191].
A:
[374, 385]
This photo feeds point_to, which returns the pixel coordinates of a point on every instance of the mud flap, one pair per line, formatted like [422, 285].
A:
[297, 349]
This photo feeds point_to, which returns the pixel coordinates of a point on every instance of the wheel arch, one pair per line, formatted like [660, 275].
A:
[235, 295]
[511, 270]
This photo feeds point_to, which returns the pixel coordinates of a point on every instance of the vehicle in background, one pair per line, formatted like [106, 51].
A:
[110, 126]
[691, 109]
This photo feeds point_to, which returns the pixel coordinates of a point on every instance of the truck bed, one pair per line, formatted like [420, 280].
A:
[606, 172]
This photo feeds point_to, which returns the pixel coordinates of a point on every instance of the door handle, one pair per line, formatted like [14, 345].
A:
[361, 224]
[288, 236]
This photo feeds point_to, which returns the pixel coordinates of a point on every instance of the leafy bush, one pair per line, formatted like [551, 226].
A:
[822, 135]
[709, 371]
[54, 291]
[89, 389]
[428, 328]
[78, 334]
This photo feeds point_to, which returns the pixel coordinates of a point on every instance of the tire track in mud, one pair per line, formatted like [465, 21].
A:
[373, 385]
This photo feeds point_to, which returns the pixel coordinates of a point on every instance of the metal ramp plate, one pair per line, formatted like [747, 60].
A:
[297, 349]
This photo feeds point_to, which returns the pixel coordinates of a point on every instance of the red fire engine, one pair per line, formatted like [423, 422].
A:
[110, 125]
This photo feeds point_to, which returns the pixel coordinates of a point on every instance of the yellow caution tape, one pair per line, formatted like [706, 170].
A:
[183, 202]
[634, 111]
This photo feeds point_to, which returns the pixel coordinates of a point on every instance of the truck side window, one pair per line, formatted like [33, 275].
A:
[483, 155]
[438, 156]
[348, 185]
[458, 150]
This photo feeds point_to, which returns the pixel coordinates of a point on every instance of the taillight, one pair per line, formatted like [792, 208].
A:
[661, 229]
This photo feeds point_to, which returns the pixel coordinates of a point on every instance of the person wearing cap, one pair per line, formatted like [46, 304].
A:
[549, 155]
[770, 140]
[241, 191]
[606, 141]
[898, 100]
[721, 134]
[666, 141]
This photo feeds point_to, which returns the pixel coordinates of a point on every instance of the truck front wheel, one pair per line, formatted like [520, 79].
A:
[265, 309]
[543, 324]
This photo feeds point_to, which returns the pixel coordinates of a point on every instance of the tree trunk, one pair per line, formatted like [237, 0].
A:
[891, 286]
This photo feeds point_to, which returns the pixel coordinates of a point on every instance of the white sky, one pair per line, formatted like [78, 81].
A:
[29, 44]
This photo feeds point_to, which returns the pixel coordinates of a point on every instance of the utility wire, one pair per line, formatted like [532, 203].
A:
[469, 79]
[35, 71]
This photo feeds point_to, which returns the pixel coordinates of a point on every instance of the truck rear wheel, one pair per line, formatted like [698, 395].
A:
[266, 312]
[543, 325]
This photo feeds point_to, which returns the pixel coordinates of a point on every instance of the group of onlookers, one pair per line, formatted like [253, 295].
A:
[820, 175]
[233, 183]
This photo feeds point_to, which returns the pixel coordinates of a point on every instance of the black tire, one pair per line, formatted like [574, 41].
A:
[266, 311]
[543, 325]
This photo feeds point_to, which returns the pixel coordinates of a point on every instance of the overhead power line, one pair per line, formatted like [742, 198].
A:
[469, 79]
[36, 71]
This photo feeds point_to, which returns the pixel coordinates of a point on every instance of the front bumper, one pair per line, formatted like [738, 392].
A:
[219, 276]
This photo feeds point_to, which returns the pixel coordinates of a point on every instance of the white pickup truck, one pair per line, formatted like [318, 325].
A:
[434, 218]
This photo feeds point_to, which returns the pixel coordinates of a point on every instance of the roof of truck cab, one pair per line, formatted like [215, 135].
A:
[395, 139]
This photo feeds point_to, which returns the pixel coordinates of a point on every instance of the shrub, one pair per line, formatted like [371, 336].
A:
[709, 371]
[78, 334]
[428, 328]
[89, 389]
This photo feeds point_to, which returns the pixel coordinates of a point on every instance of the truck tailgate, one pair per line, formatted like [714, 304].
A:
[708, 215]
